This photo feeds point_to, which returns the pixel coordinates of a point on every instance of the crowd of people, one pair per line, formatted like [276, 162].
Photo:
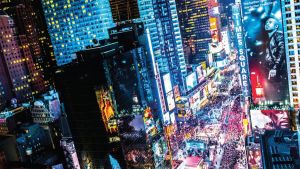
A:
[233, 152]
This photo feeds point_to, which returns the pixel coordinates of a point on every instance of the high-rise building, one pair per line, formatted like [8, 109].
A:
[118, 85]
[291, 18]
[33, 34]
[16, 60]
[137, 97]
[195, 29]
[73, 25]
[123, 10]
[81, 86]
[160, 18]
[5, 87]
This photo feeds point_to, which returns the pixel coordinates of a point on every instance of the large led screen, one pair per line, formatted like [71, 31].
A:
[170, 101]
[167, 82]
[133, 139]
[200, 74]
[254, 158]
[265, 50]
[269, 119]
[54, 108]
[191, 81]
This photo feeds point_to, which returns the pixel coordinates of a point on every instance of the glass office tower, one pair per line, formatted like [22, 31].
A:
[160, 17]
[195, 28]
[73, 25]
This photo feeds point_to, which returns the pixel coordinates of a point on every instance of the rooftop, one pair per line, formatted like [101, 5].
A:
[280, 149]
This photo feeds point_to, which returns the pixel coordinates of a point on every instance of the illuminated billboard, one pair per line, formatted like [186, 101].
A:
[170, 101]
[54, 108]
[195, 99]
[254, 158]
[167, 82]
[150, 126]
[241, 52]
[265, 50]
[58, 166]
[107, 110]
[134, 143]
[191, 81]
[214, 29]
[166, 118]
[159, 149]
[200, 73]
[269, 119]
[176, 93]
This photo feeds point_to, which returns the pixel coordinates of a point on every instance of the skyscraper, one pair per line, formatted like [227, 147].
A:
[73, 25]
[33, 33]
[18, 67]
[160, 17]
[5, 88]
[195, 29]
[291, 18]
[81, 86]
[123, 10]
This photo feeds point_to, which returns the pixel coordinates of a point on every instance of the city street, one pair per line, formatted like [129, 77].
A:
[219, 125]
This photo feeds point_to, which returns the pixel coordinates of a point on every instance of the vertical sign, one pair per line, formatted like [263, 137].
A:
[242, 57]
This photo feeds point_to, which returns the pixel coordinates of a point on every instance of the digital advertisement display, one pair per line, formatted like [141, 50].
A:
[214, 29]
[254, 158]
[150, 126]
[195, 99]
[166, 118]
[167, 82]
[133, 140]
[200, 74]
[159, 149]
[191, 81]
[194, 144]
[106, 109]
[176, 93]
[58, 166]
[170, 101]
[265, 49]
[54, 108]
[269, 119]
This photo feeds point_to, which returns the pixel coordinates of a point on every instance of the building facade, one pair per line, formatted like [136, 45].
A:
[29, 19]
[46, 109]
[123, 10]
[73, 25]
[18, 66]
[160, 18]
[88, 124]
[195, 29]
[291, 20]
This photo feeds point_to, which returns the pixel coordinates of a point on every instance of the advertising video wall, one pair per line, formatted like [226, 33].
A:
[265, 49]
[254, 158]
[269, 119]
[133, 139]
[191, 81]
